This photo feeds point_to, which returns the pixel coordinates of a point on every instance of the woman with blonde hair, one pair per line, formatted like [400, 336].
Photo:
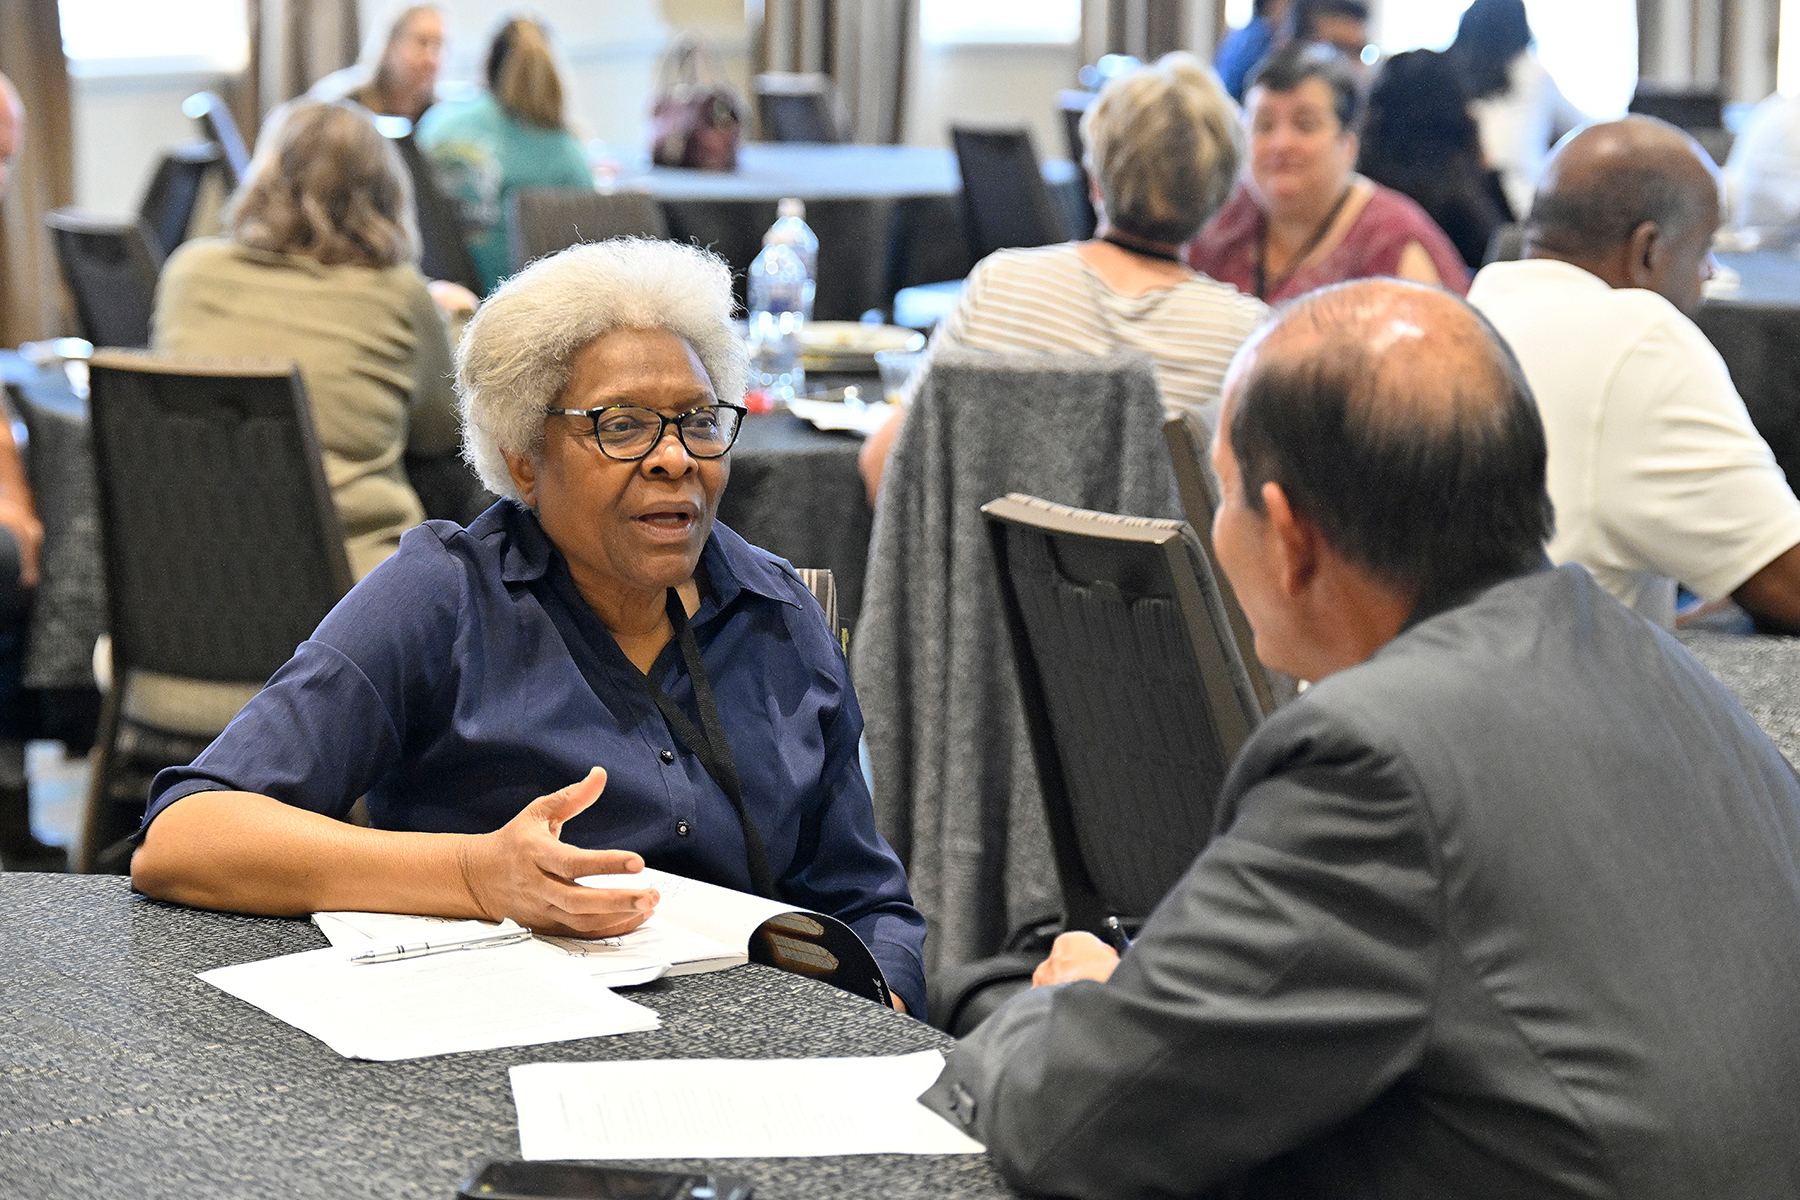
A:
[1163, 145]
[513, 136]
[318, 267]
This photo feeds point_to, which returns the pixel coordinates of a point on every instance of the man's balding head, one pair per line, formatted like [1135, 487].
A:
[1394, 418]
[12, 128]
[1633, 201]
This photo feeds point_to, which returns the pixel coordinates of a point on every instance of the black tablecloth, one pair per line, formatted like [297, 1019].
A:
[122, 1075]
[796, 492]
[1756, 329]
[69, 611]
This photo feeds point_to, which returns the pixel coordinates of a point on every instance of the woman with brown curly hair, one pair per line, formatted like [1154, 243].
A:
[318, 268]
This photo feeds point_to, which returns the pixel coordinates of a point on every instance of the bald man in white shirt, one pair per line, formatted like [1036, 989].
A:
[1657, 474]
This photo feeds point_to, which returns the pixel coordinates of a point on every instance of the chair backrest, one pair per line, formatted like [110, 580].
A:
[545, 220]
[110, 265]
[221, 545]
[955, 788]
[1690, 107]
[1133, 690]
[1188, 440]
[1005, 200]
[443, 252]
[796, 108]
[220, 128]
[168, 205]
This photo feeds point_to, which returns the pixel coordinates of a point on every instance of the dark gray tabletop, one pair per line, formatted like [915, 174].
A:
[1762, 672]
[122, 1075]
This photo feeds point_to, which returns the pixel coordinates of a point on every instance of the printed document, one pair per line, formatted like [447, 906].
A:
[478, 999]
[732, 1108]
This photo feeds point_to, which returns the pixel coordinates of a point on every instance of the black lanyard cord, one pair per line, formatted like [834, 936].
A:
[708, 743]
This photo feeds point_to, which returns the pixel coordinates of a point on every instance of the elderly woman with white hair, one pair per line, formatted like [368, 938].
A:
[592, 676]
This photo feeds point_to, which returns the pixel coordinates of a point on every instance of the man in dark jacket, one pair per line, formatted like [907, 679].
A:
[1503, 905]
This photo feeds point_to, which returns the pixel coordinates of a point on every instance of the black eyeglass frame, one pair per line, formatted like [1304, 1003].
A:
[594, 415]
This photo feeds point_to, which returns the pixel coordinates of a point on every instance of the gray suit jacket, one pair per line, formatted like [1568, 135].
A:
[1512, 909]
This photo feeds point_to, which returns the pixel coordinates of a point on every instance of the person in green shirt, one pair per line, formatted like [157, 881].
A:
[513, 136]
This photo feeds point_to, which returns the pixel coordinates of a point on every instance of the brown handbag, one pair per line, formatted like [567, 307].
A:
[697, 119]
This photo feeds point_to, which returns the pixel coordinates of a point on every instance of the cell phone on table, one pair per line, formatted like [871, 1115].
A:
[586, 1181]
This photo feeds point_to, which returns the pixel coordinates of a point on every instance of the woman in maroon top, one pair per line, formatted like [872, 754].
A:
[1302, 218]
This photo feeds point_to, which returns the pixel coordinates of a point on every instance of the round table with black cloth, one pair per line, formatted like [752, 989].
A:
[125, 1076]
[887, 217]
[1756, 329]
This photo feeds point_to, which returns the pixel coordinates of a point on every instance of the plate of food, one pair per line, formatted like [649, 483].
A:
[850, 346]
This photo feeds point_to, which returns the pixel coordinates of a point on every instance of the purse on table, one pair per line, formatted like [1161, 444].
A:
[697, 119]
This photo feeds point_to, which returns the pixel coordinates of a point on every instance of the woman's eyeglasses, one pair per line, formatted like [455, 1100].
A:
[627, 433]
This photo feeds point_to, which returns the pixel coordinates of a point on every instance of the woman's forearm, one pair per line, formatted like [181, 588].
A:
[249, 853]
[244, 852]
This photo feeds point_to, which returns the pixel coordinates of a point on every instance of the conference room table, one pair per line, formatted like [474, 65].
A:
[123, 1076]
[887, 217]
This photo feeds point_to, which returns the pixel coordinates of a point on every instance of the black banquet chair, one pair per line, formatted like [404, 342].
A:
[111, 265]
[545, 220]
[1005, 200]
[1189, 446]
[220, 128]
[174, 193]
[1137, 702]
[796, 107]
[221, 552]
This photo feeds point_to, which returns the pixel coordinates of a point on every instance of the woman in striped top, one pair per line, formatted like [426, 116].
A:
[1163, 145]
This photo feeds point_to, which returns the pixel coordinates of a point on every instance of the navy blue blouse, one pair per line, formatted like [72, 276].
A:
[441, 688]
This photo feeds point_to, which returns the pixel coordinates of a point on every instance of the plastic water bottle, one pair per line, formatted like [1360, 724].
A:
[779, 295]
[790, 227]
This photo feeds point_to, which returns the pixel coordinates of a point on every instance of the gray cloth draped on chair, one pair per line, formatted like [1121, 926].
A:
[955, 789]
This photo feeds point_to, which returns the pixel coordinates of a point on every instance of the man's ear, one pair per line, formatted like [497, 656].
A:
[1294, 541]
[1644, 253]
[524, 476]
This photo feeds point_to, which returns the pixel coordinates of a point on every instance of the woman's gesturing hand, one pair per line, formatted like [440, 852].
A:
[524, 870]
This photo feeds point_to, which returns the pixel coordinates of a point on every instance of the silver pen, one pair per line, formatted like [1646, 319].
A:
[421, 949]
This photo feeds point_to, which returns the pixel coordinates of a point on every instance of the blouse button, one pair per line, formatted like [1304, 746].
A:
[682, 827]
[668, 756]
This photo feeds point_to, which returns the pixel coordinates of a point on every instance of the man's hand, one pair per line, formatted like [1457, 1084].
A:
[1076, 956]
[524, 870]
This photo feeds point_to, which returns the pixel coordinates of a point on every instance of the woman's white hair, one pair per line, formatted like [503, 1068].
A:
[515, 356]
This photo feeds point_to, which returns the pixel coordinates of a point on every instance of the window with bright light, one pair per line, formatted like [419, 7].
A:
[1589, 48]
[943, 21]
[162, 35]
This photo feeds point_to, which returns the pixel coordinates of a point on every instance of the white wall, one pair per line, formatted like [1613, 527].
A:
[990, 84]
[122, 125]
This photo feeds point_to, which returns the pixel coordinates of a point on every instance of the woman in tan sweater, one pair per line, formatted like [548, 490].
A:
[318, 268]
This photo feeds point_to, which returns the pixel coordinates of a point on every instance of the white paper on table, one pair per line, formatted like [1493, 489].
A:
[707, 909]
[828, 415]
[481, 999]
[732, 1108]
[635, 958]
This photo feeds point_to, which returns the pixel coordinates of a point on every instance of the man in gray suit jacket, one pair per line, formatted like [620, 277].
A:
[1507, 904]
